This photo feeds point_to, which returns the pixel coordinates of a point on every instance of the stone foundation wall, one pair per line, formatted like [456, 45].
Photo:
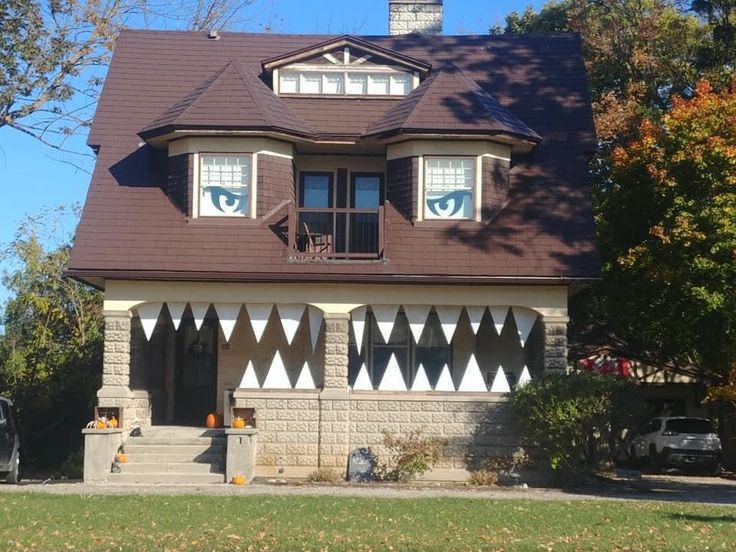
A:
[299, 432]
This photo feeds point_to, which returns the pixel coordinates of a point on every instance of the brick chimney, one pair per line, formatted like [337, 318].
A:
[414, 16]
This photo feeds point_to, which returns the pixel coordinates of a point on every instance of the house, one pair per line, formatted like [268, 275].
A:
[337, 235]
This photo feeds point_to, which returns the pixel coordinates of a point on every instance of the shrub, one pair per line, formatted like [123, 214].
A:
[485, 471]
[323, 475]
[580, 421]
[483, 478]
[408, 457]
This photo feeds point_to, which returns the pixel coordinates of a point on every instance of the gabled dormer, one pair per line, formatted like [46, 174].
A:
[345, 66]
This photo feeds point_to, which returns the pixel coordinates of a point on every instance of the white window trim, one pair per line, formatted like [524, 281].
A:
[477, 188]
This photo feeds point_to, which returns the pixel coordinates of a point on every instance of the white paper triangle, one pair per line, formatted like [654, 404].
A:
[148, 314]
[249, 379]
[385, 316]
[417, 317]
[421, 382]
[444, 383]
[448, 315]
[259, 315]
[227, 313]
[176, 311]
[277, 378]
[315, 325]
[392, 379]
[472, 378]
[199, 311]
[498, 315]
[291, 317]
[475, 315]
[363, 381]
[524, 378]
[500, 383]
[525, 320]
[358, 318]
[305, 380]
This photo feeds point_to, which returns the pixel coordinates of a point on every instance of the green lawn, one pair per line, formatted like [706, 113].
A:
[50, 522]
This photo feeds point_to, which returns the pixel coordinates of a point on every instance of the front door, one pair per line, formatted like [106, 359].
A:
[196, 372]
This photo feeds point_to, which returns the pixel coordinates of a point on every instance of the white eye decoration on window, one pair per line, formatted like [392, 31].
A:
[224, 186]
[448, 189]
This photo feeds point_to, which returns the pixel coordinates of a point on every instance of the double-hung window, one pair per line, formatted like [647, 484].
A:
[224, 185]
[448, 188]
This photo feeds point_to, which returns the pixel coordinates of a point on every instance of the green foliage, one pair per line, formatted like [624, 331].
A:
[50, 346]
[409, 456]
[578, 422]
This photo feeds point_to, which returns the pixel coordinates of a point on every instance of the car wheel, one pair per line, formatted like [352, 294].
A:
[655, 462]
[14, 475]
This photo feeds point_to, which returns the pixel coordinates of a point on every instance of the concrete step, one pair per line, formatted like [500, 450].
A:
[172, 458]
[167, 478]
[177, 432]
[193, 450]
[221, 441]
[181, 467]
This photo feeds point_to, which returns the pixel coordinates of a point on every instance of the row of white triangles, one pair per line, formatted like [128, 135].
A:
[277, 378]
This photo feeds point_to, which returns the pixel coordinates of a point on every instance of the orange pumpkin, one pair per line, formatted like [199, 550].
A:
[211, 420]
[238, 423]
[238, 480]
[100, 424]
[113, 422]
[121, 457]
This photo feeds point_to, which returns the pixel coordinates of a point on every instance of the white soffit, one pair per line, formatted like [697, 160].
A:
[176, 312]
[525, 320]
[421, 382]
[385, 318]
[500, 383]
[291, 317]
[148, 314]
[363, 381]
[417, 317]
[498, 315]
[277, 377]
[392, 379]
[315, 325]
[249, 379]
[305, 380]
[199, 311]
[358, 318]
[444, 383]
[524, 378]
[475, 314]
[472, 378]
[448, 315]
[259, 315]
[227, 314]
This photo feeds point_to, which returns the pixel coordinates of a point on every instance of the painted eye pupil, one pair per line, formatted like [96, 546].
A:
[441, 205]
[226, 200]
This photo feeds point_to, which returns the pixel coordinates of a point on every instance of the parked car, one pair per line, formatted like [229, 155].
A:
[10, 449]
[679, 442]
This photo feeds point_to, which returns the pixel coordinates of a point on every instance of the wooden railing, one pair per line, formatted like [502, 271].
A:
[335, 233]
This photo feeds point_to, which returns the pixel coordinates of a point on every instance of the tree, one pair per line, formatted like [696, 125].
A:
[53, 54]
[50, 344]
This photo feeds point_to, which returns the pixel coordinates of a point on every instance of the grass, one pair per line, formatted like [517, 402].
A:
[52, 522]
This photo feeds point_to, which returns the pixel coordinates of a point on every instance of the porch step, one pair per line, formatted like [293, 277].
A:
[171, 467]
[178, 432]
[193, 450]
[163, 458]
[167, 478]
[221, 441]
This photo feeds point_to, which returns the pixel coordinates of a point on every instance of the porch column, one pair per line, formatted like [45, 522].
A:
[334, 419]
[115, 390]
[555, 344]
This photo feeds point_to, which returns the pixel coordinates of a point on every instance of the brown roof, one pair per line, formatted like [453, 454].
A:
[234, 99]
[448, 101]
[129, 227]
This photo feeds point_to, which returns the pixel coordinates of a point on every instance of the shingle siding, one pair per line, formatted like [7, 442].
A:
[179, 181]
[401, 185]
[495, 185]
[275, 182]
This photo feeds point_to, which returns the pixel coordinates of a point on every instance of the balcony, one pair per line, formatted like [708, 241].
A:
[331, 234]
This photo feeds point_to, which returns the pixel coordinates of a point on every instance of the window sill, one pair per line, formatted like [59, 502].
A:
[223, 221]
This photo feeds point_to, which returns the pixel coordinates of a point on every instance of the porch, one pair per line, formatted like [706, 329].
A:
[330, 372]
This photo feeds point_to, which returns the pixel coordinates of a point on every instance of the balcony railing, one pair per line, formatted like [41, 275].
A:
[335, 233]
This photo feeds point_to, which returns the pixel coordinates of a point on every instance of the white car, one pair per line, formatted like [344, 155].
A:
[680, 442]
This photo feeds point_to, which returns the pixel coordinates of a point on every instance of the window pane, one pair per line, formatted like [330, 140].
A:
[380, 352]
[289, 83]
[316, 191]
[448, 188]
[310, 83]
[357, 83]
[366, 192]
[378, 85]
[332, 84]
[433, 351]
[224, 186]
[400, 85]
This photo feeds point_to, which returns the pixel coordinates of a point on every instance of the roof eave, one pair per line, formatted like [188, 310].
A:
[518, 142]
[158, 137]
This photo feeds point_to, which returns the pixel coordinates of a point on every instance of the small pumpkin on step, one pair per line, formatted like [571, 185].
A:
[238, 480]
[238, 423]
[121, 458]
[211, 420]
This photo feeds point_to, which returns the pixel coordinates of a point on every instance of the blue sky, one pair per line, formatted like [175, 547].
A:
[34, 178]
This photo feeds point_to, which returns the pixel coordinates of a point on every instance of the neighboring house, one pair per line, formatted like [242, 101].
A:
[346, 234]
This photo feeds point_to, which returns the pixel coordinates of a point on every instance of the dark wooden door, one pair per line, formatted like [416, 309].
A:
[196, 372]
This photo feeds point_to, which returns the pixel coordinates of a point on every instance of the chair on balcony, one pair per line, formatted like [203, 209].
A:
[317, 243]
